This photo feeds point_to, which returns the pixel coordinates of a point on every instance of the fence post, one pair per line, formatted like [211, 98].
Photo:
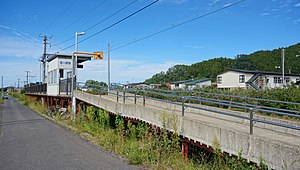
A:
[200, 97]
[123, 96]
[135, 98]
[251, 120]
[230, 103]
[144, 99]
[100, 91]
[244, 104]
[117, 96]
[182, 107]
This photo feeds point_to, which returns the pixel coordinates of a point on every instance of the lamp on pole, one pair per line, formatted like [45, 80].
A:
[76, 50]
[74, 71]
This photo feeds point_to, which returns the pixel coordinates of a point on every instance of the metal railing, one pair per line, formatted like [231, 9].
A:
[38, 89]
[232, 98]
[65, 86]
[182, 101]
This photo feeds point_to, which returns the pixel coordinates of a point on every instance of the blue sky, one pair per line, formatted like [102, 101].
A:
[241, 29]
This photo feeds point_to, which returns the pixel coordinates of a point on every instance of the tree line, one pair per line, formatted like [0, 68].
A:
[263, 60]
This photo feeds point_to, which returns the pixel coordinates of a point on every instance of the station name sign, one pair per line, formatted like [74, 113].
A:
[65, 62]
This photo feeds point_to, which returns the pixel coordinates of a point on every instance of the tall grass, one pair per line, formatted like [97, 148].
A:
[142, 144]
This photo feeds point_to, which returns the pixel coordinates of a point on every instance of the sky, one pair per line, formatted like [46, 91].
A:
[217, 28]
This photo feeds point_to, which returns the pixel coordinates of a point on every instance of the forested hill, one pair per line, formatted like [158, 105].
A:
[264, 60]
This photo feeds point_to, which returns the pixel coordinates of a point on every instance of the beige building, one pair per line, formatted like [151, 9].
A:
[254, 79]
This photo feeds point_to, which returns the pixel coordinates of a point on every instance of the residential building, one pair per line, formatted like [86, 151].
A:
[137, 86]
[198, 84]
[155, 86]
[190, 84]
[235, 78]
[179, 84]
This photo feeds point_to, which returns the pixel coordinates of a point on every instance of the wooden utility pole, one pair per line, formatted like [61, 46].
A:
[2, 88]
[108, 66]
[43, 60]
[27, 77]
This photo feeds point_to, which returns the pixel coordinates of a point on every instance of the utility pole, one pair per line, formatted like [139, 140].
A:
[27, 77]
[2, 88]
[18, 84]
[43, 60]
[108, 66]
[282, 55]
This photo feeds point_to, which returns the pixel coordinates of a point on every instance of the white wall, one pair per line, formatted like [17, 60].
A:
[53, 74]
[199, 85]
[230, 79]
[274, 85]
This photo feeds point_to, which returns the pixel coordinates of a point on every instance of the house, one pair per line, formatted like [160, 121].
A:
[198, 84]
[190, 84]
[137, 86]
[235, 78]
[59, 68]
[155, 86]
[179, 84]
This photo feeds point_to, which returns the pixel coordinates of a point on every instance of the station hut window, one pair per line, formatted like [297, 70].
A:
[61, 73]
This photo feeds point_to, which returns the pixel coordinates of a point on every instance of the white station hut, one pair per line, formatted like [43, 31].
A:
[59, 72]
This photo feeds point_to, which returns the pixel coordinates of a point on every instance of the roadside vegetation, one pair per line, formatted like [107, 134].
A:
[140, 143]
[289, 94]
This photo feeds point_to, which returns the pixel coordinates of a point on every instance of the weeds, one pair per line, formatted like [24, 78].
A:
[142, 144]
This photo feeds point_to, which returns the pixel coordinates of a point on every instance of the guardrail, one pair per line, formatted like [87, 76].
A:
[181, 101]
[243, 98]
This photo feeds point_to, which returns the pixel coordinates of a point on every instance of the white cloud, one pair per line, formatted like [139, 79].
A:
[18, 47]
[180, 1]
[297, 5]
[3, 26]
[122, 70]
[15, 43]
[176, 2]
[226, 5]
[264, 14]
[14, 70]
[213, 2]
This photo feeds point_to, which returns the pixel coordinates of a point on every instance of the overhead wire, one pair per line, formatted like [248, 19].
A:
[60, 15]
[123, 19]
[177, 25]
[61, 48]
[108, 17]
[81, 17]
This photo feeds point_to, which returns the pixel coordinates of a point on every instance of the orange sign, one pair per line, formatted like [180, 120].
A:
[98, 55]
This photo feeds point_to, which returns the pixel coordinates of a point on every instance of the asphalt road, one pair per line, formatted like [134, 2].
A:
[29, 141]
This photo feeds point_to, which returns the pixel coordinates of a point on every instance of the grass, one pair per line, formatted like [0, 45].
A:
[141, 144]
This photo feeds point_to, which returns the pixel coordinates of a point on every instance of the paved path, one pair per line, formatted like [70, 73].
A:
[29, 141]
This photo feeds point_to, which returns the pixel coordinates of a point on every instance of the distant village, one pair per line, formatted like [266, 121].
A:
[230, 79]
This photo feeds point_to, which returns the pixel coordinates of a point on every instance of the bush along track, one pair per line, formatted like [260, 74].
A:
[140, 143]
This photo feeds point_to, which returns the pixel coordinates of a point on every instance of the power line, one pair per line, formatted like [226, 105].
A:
[60, 15]
[123, 19]
[110, 15]
[61, 48]
[177, 25]
[81, 17]
[115, 13]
